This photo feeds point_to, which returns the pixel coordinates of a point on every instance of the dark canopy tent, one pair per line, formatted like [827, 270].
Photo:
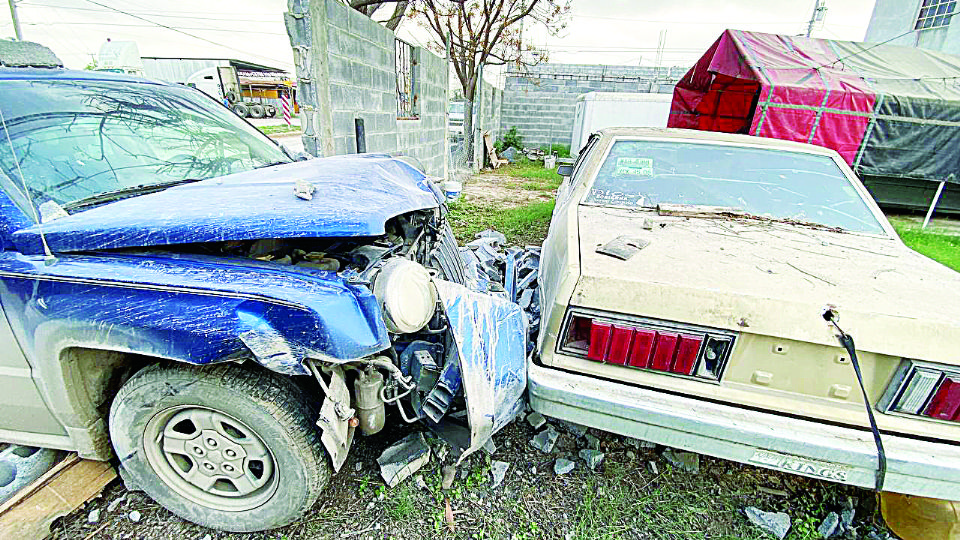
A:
[892, 112]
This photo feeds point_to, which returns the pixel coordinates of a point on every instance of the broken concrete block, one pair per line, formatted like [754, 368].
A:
[536, 420]
[563, 466]
[576, 430]
[687, 461]
[545, 440]
[498, 470]
[403, 459]
[775, 523]
[592, 442]
[830, 525]
[592, 457]
[639, 444]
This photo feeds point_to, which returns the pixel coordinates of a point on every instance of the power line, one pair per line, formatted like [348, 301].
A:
[167, 15]
[858, 53]
[151, 26]
[194, 36]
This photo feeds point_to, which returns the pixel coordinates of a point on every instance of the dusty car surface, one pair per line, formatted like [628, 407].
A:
[686, 282]
[180, 293]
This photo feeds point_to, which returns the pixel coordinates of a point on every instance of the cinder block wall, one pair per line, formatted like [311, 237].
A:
[346, 69]
[541, 100]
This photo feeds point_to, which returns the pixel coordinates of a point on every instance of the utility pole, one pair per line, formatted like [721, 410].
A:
[819, 12]
[16, 21]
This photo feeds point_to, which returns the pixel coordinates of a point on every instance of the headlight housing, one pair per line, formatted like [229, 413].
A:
[406, 294]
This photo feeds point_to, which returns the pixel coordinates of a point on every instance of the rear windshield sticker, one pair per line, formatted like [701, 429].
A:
[634, 166]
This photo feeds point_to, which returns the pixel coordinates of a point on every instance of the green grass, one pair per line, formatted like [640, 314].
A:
[524, 168]
[521, 225]
[276, 129]
[939, 247]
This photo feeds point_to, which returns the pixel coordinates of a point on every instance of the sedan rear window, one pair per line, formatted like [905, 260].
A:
[775, 184]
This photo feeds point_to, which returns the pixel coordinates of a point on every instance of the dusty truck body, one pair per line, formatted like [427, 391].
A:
[180, 293]
[685, 280]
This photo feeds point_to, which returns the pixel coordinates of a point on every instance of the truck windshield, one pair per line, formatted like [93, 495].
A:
[774, 184]
[77, 139]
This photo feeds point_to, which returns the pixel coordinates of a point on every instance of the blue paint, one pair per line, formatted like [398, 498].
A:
[186, 308]
[355, 196]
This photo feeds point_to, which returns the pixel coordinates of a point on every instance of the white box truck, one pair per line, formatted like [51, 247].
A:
[598, 110]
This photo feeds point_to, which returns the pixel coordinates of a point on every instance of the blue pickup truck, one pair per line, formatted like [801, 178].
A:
[181, 294]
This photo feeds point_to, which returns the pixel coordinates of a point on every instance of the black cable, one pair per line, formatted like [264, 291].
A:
[848, 344]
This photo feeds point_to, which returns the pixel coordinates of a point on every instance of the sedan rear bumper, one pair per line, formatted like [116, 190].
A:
[813, 449]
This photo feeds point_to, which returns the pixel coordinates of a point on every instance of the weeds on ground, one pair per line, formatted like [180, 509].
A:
[939, 247]
[521, 225]
[525, 168]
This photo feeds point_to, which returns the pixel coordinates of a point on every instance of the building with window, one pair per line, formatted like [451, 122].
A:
[918, 23]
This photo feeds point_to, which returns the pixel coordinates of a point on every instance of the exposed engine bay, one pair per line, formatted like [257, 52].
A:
[421, 373]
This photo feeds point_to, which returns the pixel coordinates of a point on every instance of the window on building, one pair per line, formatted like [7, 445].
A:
[408, 95]
[935, 14]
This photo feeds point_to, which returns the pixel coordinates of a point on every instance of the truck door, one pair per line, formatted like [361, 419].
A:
[23, 408]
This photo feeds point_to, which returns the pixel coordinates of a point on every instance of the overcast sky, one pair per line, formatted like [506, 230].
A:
[623, 32]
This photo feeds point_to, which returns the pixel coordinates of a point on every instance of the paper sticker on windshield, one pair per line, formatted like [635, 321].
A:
[634, 166]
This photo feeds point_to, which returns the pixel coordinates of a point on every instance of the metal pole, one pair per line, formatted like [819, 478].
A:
[478, 129]
[936, 199]
[446, 114]
[16, 21]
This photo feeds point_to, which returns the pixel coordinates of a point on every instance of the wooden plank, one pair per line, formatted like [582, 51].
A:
[491, 151]
[62, 490]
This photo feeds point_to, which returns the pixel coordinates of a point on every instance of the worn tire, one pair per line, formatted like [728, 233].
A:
[231, 96]
[256, 111]
[269, 405]
[242, 110]
[271, 111]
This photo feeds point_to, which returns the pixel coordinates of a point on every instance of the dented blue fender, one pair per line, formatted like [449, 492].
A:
[192, 309]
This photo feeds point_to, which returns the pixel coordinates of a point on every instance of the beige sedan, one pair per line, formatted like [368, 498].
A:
[716, 292]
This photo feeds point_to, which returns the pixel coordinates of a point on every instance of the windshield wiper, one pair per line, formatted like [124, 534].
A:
[272, 164]
[123, 193]
[693, 210]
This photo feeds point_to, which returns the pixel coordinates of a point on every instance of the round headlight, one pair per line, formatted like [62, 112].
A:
[406, 294]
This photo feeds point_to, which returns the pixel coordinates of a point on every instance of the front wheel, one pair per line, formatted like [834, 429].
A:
[226, 447]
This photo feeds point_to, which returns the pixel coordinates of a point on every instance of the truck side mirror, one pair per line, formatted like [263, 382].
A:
[565, 170]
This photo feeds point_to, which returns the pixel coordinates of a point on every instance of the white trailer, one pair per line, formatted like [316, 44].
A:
[598, 110]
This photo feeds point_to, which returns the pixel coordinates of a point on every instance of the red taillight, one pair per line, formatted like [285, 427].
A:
[642, 348]
[645, 348]
[945, 404]
[599, 340]
[663, 351]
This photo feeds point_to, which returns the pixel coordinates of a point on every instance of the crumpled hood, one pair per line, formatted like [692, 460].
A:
[772, 279]
[355, 196]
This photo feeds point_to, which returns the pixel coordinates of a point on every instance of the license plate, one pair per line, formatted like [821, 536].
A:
[801, 465]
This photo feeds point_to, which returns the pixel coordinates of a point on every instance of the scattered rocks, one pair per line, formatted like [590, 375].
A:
[592, 457]
[653, 467]
[498, 470]
[358, 466]
[93, 516]
[848, 513]
[638, 444]
[536, 420]
[490, 448]
[545, 440]
[775, 523]
[576, 430]
[115, 503]
[134, 516]
[563, 466]
[592, 442]
[687, 461]
[830, 525]
[631, 455]
[400, 461]
[449, 474]
[420, 482]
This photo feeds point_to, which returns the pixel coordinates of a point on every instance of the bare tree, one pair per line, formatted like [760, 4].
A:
[486, 32]
[369, 7]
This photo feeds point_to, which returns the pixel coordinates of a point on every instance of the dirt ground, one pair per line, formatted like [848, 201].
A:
[502, 191]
